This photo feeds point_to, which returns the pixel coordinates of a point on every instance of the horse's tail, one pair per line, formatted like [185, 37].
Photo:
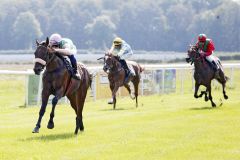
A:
[227, 78]
[91, 76]
[141, 68]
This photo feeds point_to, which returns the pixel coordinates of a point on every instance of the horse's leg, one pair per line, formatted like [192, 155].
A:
[196, 89]
[111, 87]
[73, 101]
[114, 95]
[223, 81]
[127, 86]
[81, 96]
[206, 96]
[202, 93]
[210, 95]
[45, 97]
[50, 122]
[224, 92]
[136, 84]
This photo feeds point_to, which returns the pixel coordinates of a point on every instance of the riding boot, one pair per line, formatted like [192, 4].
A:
[129, 73]
[76, 74]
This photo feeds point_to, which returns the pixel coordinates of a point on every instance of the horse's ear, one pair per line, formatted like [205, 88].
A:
[37, 43]
[47, 41]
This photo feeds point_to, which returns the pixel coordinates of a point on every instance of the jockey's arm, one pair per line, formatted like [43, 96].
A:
[64, 52]
[125, 49]
[67, 50]
[120, 53]
[111, 49]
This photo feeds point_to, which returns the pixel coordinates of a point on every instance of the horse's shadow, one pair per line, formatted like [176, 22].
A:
[117, 109]
[202, 108]
[51, 137]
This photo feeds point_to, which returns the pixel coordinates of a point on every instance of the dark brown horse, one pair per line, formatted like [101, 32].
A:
[204, 74]
[116, 76]
[57, 81]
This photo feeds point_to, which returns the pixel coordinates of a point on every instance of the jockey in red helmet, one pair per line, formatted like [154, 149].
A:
[206, 48]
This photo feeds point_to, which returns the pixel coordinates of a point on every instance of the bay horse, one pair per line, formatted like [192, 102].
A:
[57, 81]
[116, 76]
[204, 74]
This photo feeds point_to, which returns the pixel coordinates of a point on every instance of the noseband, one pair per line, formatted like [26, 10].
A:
[41, 61]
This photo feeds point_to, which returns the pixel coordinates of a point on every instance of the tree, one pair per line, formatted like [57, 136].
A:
[26, 29]
[101, 31]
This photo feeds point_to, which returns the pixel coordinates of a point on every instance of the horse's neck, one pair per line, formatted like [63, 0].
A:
[55, 64]
[117, 66]
[199, 66]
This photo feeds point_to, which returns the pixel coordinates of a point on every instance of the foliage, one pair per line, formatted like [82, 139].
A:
[146, 25]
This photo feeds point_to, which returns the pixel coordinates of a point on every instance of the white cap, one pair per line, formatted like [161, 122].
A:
[55, 39]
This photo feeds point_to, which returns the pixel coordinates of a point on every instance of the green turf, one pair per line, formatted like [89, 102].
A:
[172, 126]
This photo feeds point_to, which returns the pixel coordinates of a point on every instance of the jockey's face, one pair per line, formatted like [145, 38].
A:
[118, 46]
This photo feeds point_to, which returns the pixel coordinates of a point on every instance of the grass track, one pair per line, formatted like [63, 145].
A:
[171, 126]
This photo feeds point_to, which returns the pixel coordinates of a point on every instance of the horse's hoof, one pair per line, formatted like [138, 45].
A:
[81, 129]
[35, 130]
[76, 132]
[213, 105]
[132, 96]
[206, 99]
[195, 96]
[50, 125]
[225, 97]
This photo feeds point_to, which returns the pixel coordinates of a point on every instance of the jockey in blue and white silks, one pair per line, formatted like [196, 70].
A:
[65, 47]
[122, 50]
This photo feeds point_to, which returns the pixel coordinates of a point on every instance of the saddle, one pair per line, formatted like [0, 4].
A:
[73, 84]
[128, 68]
[218, 65]
[67, 64]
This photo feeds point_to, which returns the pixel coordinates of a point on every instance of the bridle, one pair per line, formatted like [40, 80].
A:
[40, 60]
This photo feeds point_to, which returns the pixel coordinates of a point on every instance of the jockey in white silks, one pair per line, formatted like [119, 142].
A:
[123, 51]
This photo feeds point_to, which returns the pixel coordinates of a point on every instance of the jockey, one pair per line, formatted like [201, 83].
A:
[122, 50]
[206, 48]
[65, 47]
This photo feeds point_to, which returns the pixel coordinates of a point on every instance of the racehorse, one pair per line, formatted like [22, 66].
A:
[116, 76]
[57, 81]
[204, 74]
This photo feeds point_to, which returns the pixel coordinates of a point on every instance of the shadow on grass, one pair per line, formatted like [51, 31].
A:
[117, 109]
[203, 108]
[51, 137]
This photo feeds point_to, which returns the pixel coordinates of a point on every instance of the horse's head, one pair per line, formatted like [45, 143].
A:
[109, 62]
[192, 54]
[41, 56]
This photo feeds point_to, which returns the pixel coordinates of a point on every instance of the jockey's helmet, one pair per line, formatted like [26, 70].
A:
[55, 39]
[202, 37]
[117, 41]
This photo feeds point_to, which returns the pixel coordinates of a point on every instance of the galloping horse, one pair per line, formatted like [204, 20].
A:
[57, 81]
[204, 74]
[116, 76]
